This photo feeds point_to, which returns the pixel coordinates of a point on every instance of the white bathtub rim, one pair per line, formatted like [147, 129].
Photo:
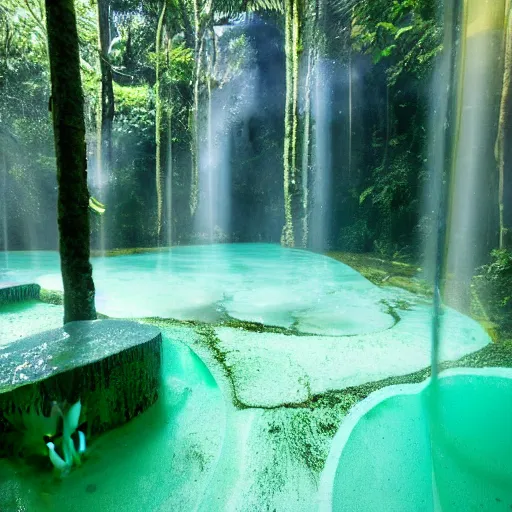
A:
[325, 488]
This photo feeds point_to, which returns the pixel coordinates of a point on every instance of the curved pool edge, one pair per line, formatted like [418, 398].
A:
[326, 484]
[223, 476]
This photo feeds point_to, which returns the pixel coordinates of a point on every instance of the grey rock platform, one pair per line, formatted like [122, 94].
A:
[17, 292]
[111, 366]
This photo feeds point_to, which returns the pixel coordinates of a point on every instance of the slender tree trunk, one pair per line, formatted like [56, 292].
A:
[293, 191]
[296, 181]
[195, 131]
[306, 150]
[5, 227]
[168, 205]
[194, 146]
[67, 105]
[287, 237]
[159, 115]
[209, 134]
[503, 150]
[388, 130]
[106, 103]
[349, 164]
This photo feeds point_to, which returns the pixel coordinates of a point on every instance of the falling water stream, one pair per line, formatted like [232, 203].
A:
[168, 186]
[5, 230]
[462, 145]
[100, 187]
[322, 155]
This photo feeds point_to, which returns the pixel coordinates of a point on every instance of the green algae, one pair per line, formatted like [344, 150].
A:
[56, 298]
[320, 417]
[227, 321]
[127, 251]
[385, 272]
[51, 297]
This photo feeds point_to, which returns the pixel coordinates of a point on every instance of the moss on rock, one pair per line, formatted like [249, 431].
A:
[51, 297]
[385, 272]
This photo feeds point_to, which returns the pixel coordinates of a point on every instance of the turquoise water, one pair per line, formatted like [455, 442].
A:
[255, 282]
[22, 319]
[165, 459]
[464, 464]
[161, 460]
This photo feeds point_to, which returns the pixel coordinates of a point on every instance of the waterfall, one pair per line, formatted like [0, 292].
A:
[168, 186]
[100, 187]
[5, 228]
[322, 156]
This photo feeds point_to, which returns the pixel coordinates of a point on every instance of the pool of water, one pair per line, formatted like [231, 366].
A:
[21, 319]
[161, 460]
[348, 317]
[166, 458]
[462, 464]
[254, 282]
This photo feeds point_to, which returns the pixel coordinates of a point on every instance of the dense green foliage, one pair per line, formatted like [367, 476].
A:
[493, 285]
[395, 44]
[379, 57]
[392, 46]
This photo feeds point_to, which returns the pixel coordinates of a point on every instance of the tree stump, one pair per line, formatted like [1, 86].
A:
[111, 366]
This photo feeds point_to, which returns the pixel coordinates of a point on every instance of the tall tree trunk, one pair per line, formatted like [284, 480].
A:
[67, 106]
[349, 163]
[292, 234]
[306, 150]
[288, 237]
[194, 128]
[5, 226]
[387, 129]
[195, 133]
[504, 150]
[296, 181]
[106, 103]
[168, 206]
[209, 140]
[159, 115]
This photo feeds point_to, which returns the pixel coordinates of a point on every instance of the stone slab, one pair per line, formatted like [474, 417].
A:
[271, 370]
[112, 366]
[17, 292]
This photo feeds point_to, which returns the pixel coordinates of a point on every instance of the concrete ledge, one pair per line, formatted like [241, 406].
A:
[15, 292]
[112, 367]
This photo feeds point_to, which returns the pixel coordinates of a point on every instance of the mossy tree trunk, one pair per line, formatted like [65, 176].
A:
[504, 149]
[163, 131]
[194, 119]
[296, 132]
[67, 106]
[160, 126]
[105, 115]
[169, 167]
[290, 126]
[306, 149]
